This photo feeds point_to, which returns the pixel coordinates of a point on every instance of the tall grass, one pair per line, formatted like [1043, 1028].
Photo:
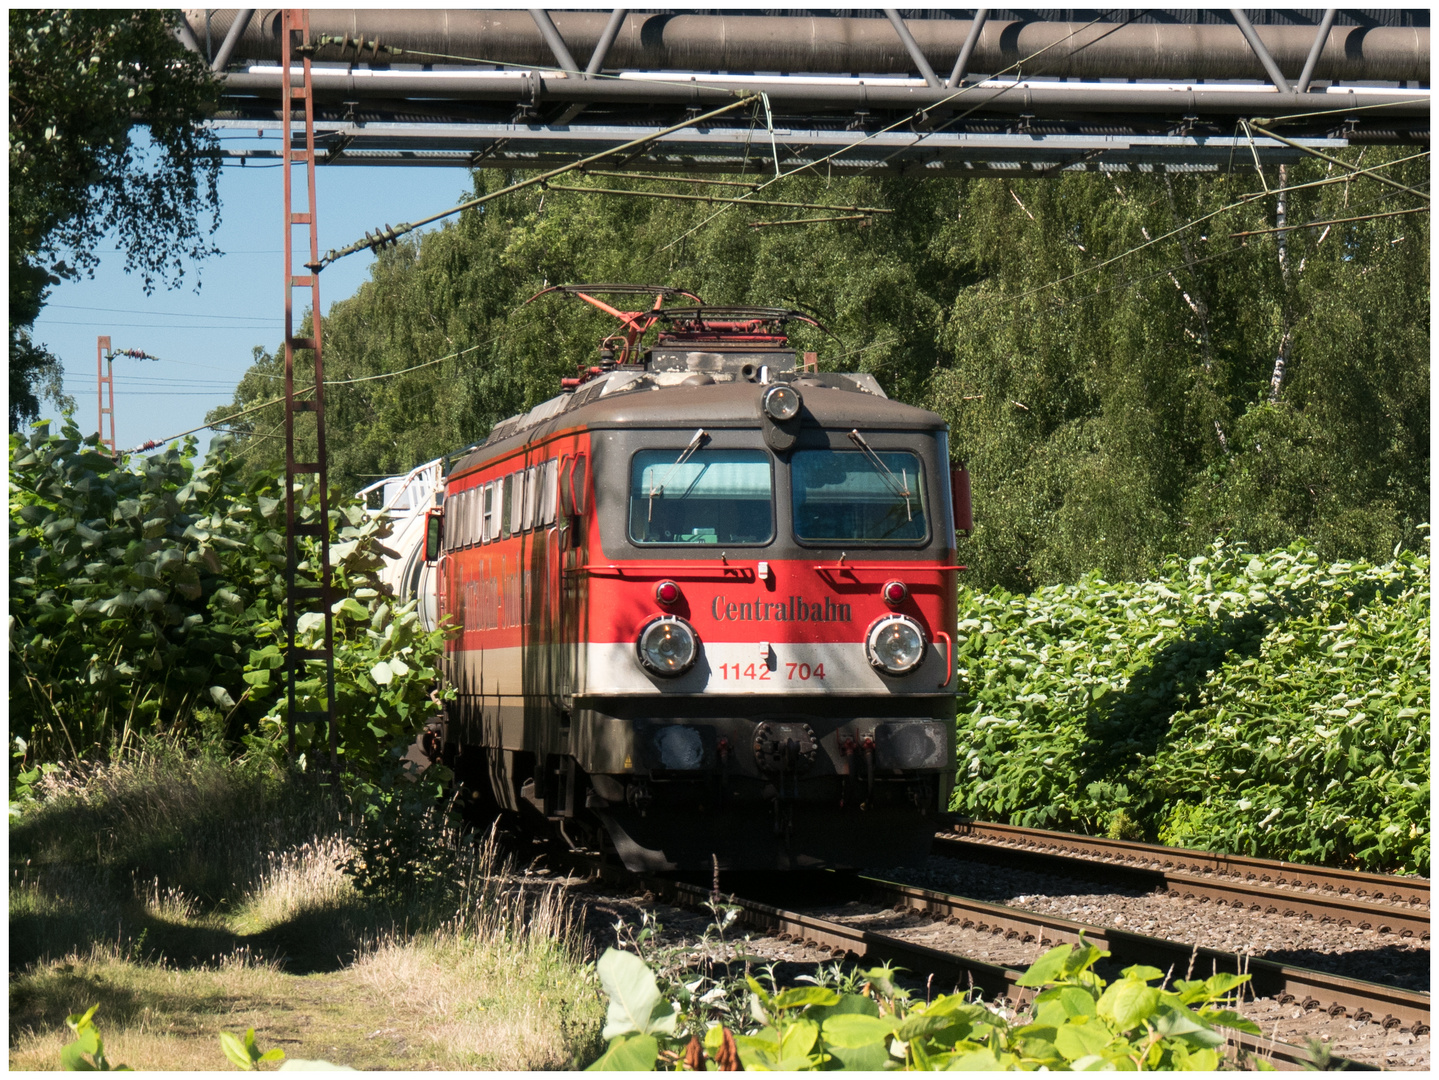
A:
[188, 894]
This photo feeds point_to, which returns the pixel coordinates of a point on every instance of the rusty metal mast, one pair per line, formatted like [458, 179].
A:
[311, 593]
[106, 378]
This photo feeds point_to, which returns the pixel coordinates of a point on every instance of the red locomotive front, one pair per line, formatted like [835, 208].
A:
[708, 607]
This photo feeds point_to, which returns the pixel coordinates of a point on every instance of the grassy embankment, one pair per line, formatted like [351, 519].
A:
[189, 895]
[1274, 705]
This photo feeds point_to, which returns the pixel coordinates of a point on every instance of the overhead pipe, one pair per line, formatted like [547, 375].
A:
[961, 65]
[1038, 98]
[1270, 67]
[232, 36]
[1325, 25]
[744, 43]
[912, 47]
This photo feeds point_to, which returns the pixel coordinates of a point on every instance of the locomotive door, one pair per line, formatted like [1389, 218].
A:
[565, 580]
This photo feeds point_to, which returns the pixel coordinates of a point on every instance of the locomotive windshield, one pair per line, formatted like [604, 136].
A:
[705, 497]
[843, 496]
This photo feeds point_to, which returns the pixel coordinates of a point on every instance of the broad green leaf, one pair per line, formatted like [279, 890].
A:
[631, 989]
[856, 1029]
[1142, 972]
[350, 607]
[798, 1039]
[1230, 1019]
[1047, 968]
[1127, 1002]
[628, 1053]
[235, 1051]
[803, 995]
[1078, 1039]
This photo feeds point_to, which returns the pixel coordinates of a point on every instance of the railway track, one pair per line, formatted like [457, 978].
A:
[1388, 905]
[1336, 995]
[1384, 902]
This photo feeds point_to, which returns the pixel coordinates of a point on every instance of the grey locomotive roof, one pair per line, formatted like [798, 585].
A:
[639, 398]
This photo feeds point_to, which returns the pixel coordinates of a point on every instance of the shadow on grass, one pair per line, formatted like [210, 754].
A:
[147, 858]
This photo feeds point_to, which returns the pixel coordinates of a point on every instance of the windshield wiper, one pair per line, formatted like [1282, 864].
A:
[899, 485]
[658, 489]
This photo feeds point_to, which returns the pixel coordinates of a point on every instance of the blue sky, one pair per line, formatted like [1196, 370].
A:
[204, 336]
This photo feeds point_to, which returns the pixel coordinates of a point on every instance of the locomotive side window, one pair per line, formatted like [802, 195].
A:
[852, 495]
[503, 493]
[452, 504]
[532, 495]
[517, 502]
[472, 517]
[484, 537]
[709, 497]
[549, 491]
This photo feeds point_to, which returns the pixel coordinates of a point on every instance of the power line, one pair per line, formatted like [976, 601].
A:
[1245, 201]
[152, 326]
[1333, 221]
[131, 311]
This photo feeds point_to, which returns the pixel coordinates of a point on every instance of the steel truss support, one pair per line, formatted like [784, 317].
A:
[310, 594]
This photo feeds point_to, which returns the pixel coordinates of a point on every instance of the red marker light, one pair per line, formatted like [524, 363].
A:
[667, 592]
[895, 592]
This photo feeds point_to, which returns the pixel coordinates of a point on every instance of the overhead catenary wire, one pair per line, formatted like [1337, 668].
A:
[1332, 221]
[702, 180]
[1186, 264]
[682, 197]
[808, 221]
[390, 235]
[328, 382]
[1253, 125]
[1246, 200]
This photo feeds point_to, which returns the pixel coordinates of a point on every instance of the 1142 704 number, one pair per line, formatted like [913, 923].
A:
[793, 672]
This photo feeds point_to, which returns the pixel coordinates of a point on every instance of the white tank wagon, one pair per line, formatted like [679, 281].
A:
[403, 500]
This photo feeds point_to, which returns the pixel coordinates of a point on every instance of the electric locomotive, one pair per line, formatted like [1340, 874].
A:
[707, 600]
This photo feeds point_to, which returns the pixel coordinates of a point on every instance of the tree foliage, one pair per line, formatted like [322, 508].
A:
[1113, 397]
[81, 82]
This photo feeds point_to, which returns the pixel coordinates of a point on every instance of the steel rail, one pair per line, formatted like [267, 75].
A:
[856, 944]
[1336, 994]
[1412, 891]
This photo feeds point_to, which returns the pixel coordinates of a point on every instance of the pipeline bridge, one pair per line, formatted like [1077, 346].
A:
[915, 92]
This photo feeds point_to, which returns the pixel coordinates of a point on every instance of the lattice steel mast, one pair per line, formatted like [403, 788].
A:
[310, 593]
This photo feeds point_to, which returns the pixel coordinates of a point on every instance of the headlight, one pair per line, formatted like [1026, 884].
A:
[895, 644]
[668, 646]
[781, 402]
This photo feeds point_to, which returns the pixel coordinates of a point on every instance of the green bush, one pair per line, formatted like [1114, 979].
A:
[1273, 705]
[147, 597]
[1077, 1021]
